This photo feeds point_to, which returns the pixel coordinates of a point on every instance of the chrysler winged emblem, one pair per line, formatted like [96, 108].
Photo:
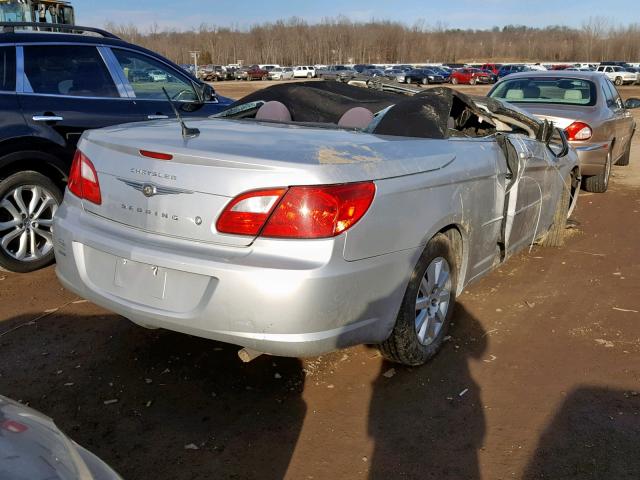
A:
[148, 190]
[151, 189]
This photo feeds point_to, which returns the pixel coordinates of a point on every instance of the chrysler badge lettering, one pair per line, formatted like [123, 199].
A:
[149, 173]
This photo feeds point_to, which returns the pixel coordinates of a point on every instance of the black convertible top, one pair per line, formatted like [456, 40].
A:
[433, 113]
[321, 102]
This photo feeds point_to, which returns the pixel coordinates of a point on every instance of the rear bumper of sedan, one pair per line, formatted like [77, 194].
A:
[593, 157]
[291, 298]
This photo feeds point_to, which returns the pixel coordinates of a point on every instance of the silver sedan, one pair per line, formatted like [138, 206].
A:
[295, 231]
[589, 109]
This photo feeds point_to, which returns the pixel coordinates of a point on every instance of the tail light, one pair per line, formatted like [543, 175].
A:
[298, 212]
[247, 213]
[578, 131]
[83, 179]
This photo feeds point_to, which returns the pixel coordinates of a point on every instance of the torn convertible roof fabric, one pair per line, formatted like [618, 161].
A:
[433, 113]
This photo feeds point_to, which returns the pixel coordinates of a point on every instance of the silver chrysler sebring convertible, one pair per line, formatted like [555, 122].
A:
[310, 217]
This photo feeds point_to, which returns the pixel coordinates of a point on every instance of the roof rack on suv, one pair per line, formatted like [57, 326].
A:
[10, 27]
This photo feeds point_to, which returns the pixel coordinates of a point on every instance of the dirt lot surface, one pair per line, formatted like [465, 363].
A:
[541, 378]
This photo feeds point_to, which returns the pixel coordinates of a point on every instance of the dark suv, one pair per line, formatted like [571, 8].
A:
[53, 86]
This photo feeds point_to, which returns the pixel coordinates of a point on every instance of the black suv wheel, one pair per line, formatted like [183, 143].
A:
[28, 202]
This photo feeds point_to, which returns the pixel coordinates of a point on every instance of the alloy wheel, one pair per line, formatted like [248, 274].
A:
[432, 301]
[26, 219]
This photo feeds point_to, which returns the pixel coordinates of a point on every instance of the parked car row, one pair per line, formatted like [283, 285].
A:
[213, 73]
[620, 73]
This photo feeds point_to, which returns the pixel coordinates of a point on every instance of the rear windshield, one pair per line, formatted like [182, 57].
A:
[561, 91]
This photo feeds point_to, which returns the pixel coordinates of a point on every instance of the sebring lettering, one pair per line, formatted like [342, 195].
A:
[152, 213]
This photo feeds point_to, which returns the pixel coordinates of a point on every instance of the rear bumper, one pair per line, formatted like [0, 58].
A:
[593, 157]
[290, 298]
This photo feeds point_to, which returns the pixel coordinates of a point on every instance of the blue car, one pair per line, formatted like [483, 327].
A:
[443, 72]
[509, 69]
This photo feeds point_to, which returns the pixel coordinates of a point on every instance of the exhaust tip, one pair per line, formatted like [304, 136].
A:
[247, 355]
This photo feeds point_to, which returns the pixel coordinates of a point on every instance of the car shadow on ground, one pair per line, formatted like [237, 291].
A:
[594, 435]
[416, 417]
[156, 404]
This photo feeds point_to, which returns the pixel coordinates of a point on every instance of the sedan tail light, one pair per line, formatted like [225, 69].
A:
[578, 131]
[83, 179]
[298, 212]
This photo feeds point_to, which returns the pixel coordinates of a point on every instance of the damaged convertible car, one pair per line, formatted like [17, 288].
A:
[313, 216]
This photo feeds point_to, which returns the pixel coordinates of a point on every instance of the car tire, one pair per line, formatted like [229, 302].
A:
[406, 344]
[623, 161]
[619, 81]
[11, 211]
[472, 81]
[309, 75]
[556, 235]
[454, 81]
[425, 81]
[407, 80]
[599, 183]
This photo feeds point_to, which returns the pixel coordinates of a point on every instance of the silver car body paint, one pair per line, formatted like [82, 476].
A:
[149, 259]
[32, 447]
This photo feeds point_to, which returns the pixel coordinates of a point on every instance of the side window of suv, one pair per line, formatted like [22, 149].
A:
[148, 76]
[7, 69]
[72, 70]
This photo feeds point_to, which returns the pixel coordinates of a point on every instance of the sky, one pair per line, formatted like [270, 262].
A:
[477, 14]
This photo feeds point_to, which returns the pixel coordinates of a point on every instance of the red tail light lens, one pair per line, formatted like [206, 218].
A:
[83, 179]
[247, 213]
[320, 212]
[578, 131]
[299, 212]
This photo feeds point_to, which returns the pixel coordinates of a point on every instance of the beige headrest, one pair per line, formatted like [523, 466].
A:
[274, 111]
[357, 117]
[573, 95]
[515, 94]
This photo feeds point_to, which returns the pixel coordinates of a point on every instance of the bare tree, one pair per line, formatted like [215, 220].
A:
[336, 40]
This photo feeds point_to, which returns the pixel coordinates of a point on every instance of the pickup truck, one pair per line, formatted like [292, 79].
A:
[254, 72]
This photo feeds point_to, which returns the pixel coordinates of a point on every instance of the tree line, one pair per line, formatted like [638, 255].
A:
[340, 40]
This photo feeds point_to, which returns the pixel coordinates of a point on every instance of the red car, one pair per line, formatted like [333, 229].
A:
[491, 67]
[472, 76]
[254, 72]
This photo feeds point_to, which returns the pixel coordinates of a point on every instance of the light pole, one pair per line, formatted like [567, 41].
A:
[195, 54]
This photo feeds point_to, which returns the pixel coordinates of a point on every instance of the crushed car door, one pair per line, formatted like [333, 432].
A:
[526, 208]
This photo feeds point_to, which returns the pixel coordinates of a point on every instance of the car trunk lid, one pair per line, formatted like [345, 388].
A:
[561, 115]
[183, 196]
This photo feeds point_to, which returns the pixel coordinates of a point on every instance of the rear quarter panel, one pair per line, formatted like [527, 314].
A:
[410, 210]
